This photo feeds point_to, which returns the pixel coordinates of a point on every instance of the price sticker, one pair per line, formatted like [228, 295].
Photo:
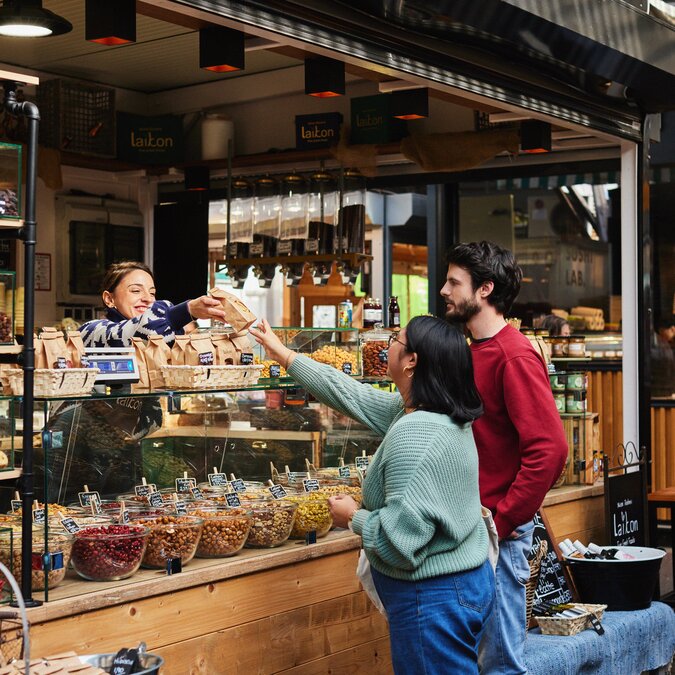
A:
[16, 505]
[362, 462]
[206, 359]
[185, 484]
[61, 362]
[87, 497]
[155, 499]
[344, 472]
[238, 485]
[277, 491]
[218, 479]
[39, 516]
[144, 490]
[69, 525]
[180, 506]
[232, 499]
[311, 485]
[197, 493]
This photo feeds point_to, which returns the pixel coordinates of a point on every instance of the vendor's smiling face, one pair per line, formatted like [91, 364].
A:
[133, 295]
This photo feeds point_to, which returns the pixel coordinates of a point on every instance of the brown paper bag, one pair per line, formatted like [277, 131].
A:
[157, 354]
[75, 348]
[143, 374]
[40, 356]
[178, 350]
[238, 315]
[199, 351]
[243, 348]
[225, 352]
[54, 347]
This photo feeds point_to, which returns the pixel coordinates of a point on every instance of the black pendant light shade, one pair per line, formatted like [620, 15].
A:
[27, 18]
[535, 136]
[110, 23]
[197, 178]
[324, 77]
[221, 49]
[410, 104]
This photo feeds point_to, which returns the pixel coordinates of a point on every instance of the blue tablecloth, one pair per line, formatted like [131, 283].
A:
[633, 643]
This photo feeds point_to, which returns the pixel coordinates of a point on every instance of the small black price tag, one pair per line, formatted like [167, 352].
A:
[347, 368]
[310, 537]
[246, 358]
[16, 504]
[124, 517]
[311, 484]
[95, 504]
[284, 248]
[344, 472]
[383, 356]
[180, 507]
[39, 516]
[362, 462]
[238, 485]
[197, 493]
[232, 499]
[296, 476]
[155, 499]
[85, 362]
[311, 245]
[277, 491]
[144, 490]
[275, 370]
[61, 362]
[69, 525]
[206, 359]
[173, 565]
[185, 484]
[125, 662]
[86, 498]
[218, 479]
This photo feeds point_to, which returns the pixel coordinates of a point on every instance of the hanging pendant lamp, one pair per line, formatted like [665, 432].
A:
[197, 178]
[221, 49]
[324, 77]
[410, 104]
[535, 136]
[110, 23]
[27, 18]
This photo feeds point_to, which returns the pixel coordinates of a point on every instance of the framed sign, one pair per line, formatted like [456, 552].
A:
[43, 271]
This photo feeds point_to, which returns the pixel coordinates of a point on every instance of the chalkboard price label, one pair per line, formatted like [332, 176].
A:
[362, 462]
[295, 476]
[155, 499]
[86, 498]
[185, 484]
[347, 368]
[275, 370]
[344, 472]
[232, 499]
[180, 507]
[144, 490]
[311, 485]
[277, 491]
[69, 525]
[124, 517]
[16, 505]
[217, 479]
[238, 485]
[39, 516]
[196, 493]
[246, 358]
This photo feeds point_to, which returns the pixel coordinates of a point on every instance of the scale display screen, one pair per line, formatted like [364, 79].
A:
[113, 366]
[116, 365]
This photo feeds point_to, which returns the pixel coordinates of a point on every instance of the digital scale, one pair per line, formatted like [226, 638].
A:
[117, 365]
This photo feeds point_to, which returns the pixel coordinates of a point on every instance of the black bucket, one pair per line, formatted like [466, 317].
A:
[622, 585]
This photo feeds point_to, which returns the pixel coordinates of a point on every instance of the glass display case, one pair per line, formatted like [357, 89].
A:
[10, 183]
[7, 306]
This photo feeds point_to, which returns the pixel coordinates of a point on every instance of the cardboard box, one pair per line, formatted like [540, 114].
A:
[371, 121]
[317, 131]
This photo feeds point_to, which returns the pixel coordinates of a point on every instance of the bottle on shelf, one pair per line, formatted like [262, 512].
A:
[378, 314]
[394, 313]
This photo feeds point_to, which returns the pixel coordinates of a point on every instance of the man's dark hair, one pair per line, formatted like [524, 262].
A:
[485, 261]
[443, 380]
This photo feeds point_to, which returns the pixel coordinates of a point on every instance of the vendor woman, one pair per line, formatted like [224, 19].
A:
[133, 311]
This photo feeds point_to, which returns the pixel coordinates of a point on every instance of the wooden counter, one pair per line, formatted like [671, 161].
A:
[296, 609]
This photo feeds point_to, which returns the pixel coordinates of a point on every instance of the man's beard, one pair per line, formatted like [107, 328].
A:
[463, 312]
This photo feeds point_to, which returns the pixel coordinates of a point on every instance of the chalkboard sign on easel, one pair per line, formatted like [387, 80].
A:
[554, 583]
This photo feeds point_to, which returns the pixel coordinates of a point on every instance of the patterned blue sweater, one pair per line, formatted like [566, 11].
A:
[421, 514]
[163, 318]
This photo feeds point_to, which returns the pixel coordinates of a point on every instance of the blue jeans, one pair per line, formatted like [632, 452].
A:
[503, 644]
[435, 625]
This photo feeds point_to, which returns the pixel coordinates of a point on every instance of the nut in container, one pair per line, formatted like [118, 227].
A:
[374, 352]
[313, 515]
[272, 522]
[225, 530]
[170, 537]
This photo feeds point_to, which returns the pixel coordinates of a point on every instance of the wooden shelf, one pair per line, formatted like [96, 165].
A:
[12, 474]
[353, 259]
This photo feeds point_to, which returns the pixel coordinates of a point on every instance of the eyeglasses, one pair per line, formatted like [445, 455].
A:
[393, 338]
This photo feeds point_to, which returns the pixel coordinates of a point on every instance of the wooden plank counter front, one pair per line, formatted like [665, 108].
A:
[297, 609]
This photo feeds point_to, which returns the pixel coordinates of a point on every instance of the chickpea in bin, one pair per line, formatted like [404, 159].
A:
[313, 514]
[224, 532]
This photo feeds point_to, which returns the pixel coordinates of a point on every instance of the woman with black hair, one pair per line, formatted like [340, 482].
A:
[420, 521]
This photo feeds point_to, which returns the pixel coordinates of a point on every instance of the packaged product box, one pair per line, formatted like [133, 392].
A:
[237, 314]
[371, 121]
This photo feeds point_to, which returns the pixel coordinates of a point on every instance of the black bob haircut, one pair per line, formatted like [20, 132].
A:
[485, 261]
[443, 380]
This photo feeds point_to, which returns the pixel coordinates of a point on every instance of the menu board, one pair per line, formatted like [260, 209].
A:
[625, 505]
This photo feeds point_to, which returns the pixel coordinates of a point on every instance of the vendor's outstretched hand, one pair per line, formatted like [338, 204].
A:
[273, 346]
[206, 307]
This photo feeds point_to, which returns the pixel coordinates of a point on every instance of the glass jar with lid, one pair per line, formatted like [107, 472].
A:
[267, 218]
[352, 219]
[241, 219]
[374, 352]
[576, 346]
[294, 215]
[322, 209]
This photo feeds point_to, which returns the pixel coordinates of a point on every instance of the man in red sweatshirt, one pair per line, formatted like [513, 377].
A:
[521, 443]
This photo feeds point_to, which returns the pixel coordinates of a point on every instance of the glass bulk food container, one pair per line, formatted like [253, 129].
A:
[170, 537]
[374, 352]
[337, 347]
[313, 514]
[294, 215]
[7, 294]
[352, 217]
[241, 219]
[266, 218]
[271, 524]
[322, 209]
[225, 530]
[10, 183]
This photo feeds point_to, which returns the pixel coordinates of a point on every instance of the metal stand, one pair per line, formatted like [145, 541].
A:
[27, 357]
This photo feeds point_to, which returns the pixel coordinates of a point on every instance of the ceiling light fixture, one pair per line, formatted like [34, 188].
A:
[535, 136]
[197, 178]
[110, 23]
[410, 104]
[221, 49]
[324, 77]
[27, 18]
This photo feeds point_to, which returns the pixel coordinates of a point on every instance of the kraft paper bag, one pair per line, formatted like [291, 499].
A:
[243, 349]
[225, 352]
[143, 375]
[75, 348]
[157, 354]
[237, 314]
[54, 353]
[199, 351]
[178, 350]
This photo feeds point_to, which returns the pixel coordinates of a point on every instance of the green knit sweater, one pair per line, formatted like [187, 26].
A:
[421, 514]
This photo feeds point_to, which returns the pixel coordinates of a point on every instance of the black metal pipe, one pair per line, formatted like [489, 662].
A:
[31, 113]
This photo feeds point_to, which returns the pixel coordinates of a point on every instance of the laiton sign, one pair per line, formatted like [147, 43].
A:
[149, 140]
[317, 131]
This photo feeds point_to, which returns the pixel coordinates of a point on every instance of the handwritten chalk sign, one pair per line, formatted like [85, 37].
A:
[277, 491]
[625, 507]
[554, 585]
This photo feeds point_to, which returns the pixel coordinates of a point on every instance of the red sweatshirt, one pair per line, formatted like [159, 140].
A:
[521, 443]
